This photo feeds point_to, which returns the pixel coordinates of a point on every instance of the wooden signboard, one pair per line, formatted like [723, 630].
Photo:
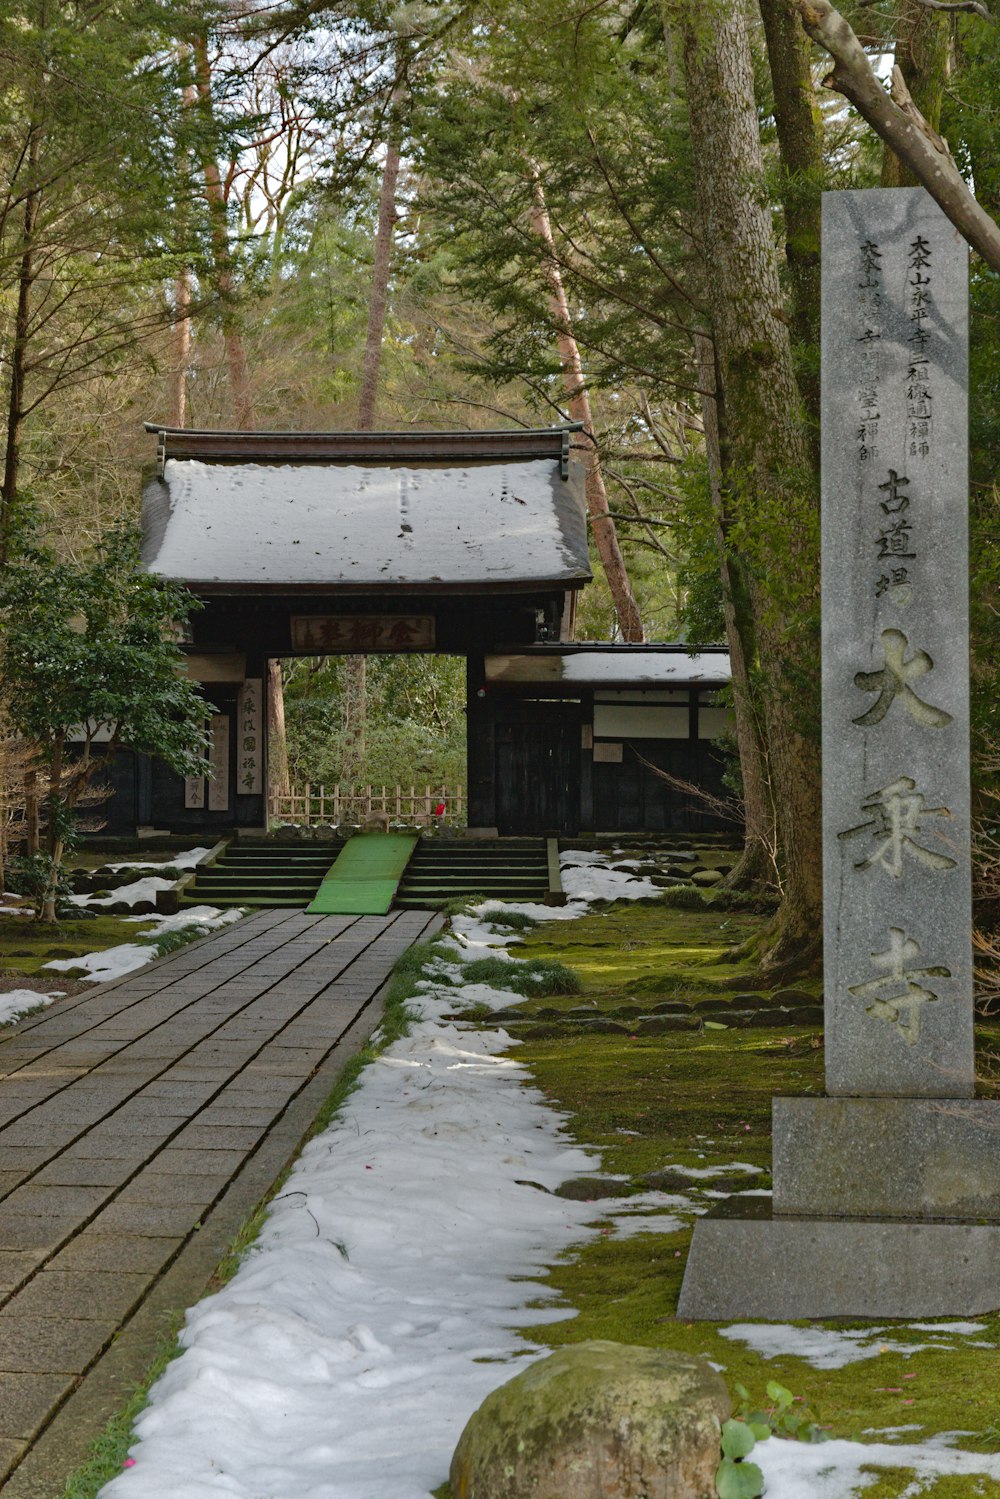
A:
[218, 761]
[194, 792]
[353, 634]
[249, 738]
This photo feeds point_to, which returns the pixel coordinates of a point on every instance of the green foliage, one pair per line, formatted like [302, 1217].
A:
[532, 977]
[86, 646]
[780, 1418]
[415, 729]
[735, 1478]
[94, 642]
[515, 921]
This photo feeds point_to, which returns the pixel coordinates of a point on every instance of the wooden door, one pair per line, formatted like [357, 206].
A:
[538, 768]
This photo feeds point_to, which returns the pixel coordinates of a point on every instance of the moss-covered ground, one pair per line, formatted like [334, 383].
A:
[648, 951]
[703, 1099]
[27, 945]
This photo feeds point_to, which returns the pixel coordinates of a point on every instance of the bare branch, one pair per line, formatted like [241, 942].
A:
[900, 124]
[975, 7]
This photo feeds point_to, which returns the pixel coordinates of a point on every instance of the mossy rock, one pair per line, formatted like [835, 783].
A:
[589, 1188]
[595, 1419]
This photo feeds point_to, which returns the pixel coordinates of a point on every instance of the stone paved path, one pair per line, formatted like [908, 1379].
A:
[139, 1125]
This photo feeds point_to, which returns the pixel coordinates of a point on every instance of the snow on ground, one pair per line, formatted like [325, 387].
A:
[138, 890]
[186, 860]
[705, 1173]
[827, 1348]
[115, 962]
[379, 1306]
[833, 1470]
[18, 1002]
[587, 876]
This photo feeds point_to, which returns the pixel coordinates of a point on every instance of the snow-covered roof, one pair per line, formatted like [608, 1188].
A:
[619, 666]
[399, 525]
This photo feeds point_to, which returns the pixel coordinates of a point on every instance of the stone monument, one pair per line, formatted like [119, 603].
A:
[887, 1189]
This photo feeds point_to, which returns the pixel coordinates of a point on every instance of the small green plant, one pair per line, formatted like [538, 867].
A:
[515, 921]
[532, 977]
[802, 1425]
[735, 1478]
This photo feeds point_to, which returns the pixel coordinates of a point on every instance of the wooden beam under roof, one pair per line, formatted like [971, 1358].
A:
[372, 447]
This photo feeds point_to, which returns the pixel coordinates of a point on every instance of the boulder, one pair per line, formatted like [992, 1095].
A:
[597, 1420]
[707, 876]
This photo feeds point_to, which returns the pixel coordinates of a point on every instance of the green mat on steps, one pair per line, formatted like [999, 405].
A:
[365, 876]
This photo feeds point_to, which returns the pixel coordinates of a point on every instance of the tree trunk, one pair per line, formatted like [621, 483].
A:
[354, 705]
[602, 523]
[770, 491]
[54, 834]
[900, 124]
[380, 285]
[922, 55]
[180, 349]
[278, 782]
[19, 352]
[31, 828]
[239, 378]
[354, 682]
[757, 864]
[800, 143]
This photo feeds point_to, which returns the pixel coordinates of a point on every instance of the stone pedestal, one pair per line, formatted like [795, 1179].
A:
[881, 1187]
[748, 1263]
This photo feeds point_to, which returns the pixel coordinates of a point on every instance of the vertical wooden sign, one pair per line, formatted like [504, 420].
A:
[218, 762]
[249, 738]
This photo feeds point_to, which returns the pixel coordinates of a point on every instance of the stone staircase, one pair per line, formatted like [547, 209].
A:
[500, 868]
[260, 872]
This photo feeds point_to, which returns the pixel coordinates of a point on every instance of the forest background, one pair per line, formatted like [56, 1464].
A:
[318, 216]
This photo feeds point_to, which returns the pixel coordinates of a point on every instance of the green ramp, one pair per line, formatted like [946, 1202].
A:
[363, 880]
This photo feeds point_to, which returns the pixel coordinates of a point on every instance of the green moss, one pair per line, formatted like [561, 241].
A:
[634, 950]
[902, 1483]
[27, 945]
[534, 977]
[705, 1099]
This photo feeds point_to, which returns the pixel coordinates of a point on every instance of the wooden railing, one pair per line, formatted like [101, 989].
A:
[310, 805]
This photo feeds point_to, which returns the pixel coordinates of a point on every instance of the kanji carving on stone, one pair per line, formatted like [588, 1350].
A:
[897, 813]
[893, 681]
[902, 1007]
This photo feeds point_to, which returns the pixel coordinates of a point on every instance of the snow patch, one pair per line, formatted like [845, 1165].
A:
[833, 1470]
[144, 889]
[379, 1307]
[827, 1348]
[186, 860]
[115, 962]
[18, 1002]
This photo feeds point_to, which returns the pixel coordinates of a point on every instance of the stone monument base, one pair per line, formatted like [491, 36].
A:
[746, 1262]
[887, 1157]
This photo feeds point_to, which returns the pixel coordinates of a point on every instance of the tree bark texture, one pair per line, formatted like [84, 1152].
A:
[180, 348]
[800, 143]
[225, 287]
[922, 50]
[757, 865]
[769, 479]
[278, 779]
[900, 124]
[380, 286]
[602, 523]
[19, 350]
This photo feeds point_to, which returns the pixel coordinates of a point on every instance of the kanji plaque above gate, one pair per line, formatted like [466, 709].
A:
[353, 634]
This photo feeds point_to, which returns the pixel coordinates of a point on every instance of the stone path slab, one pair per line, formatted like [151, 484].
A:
[140, 1124]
